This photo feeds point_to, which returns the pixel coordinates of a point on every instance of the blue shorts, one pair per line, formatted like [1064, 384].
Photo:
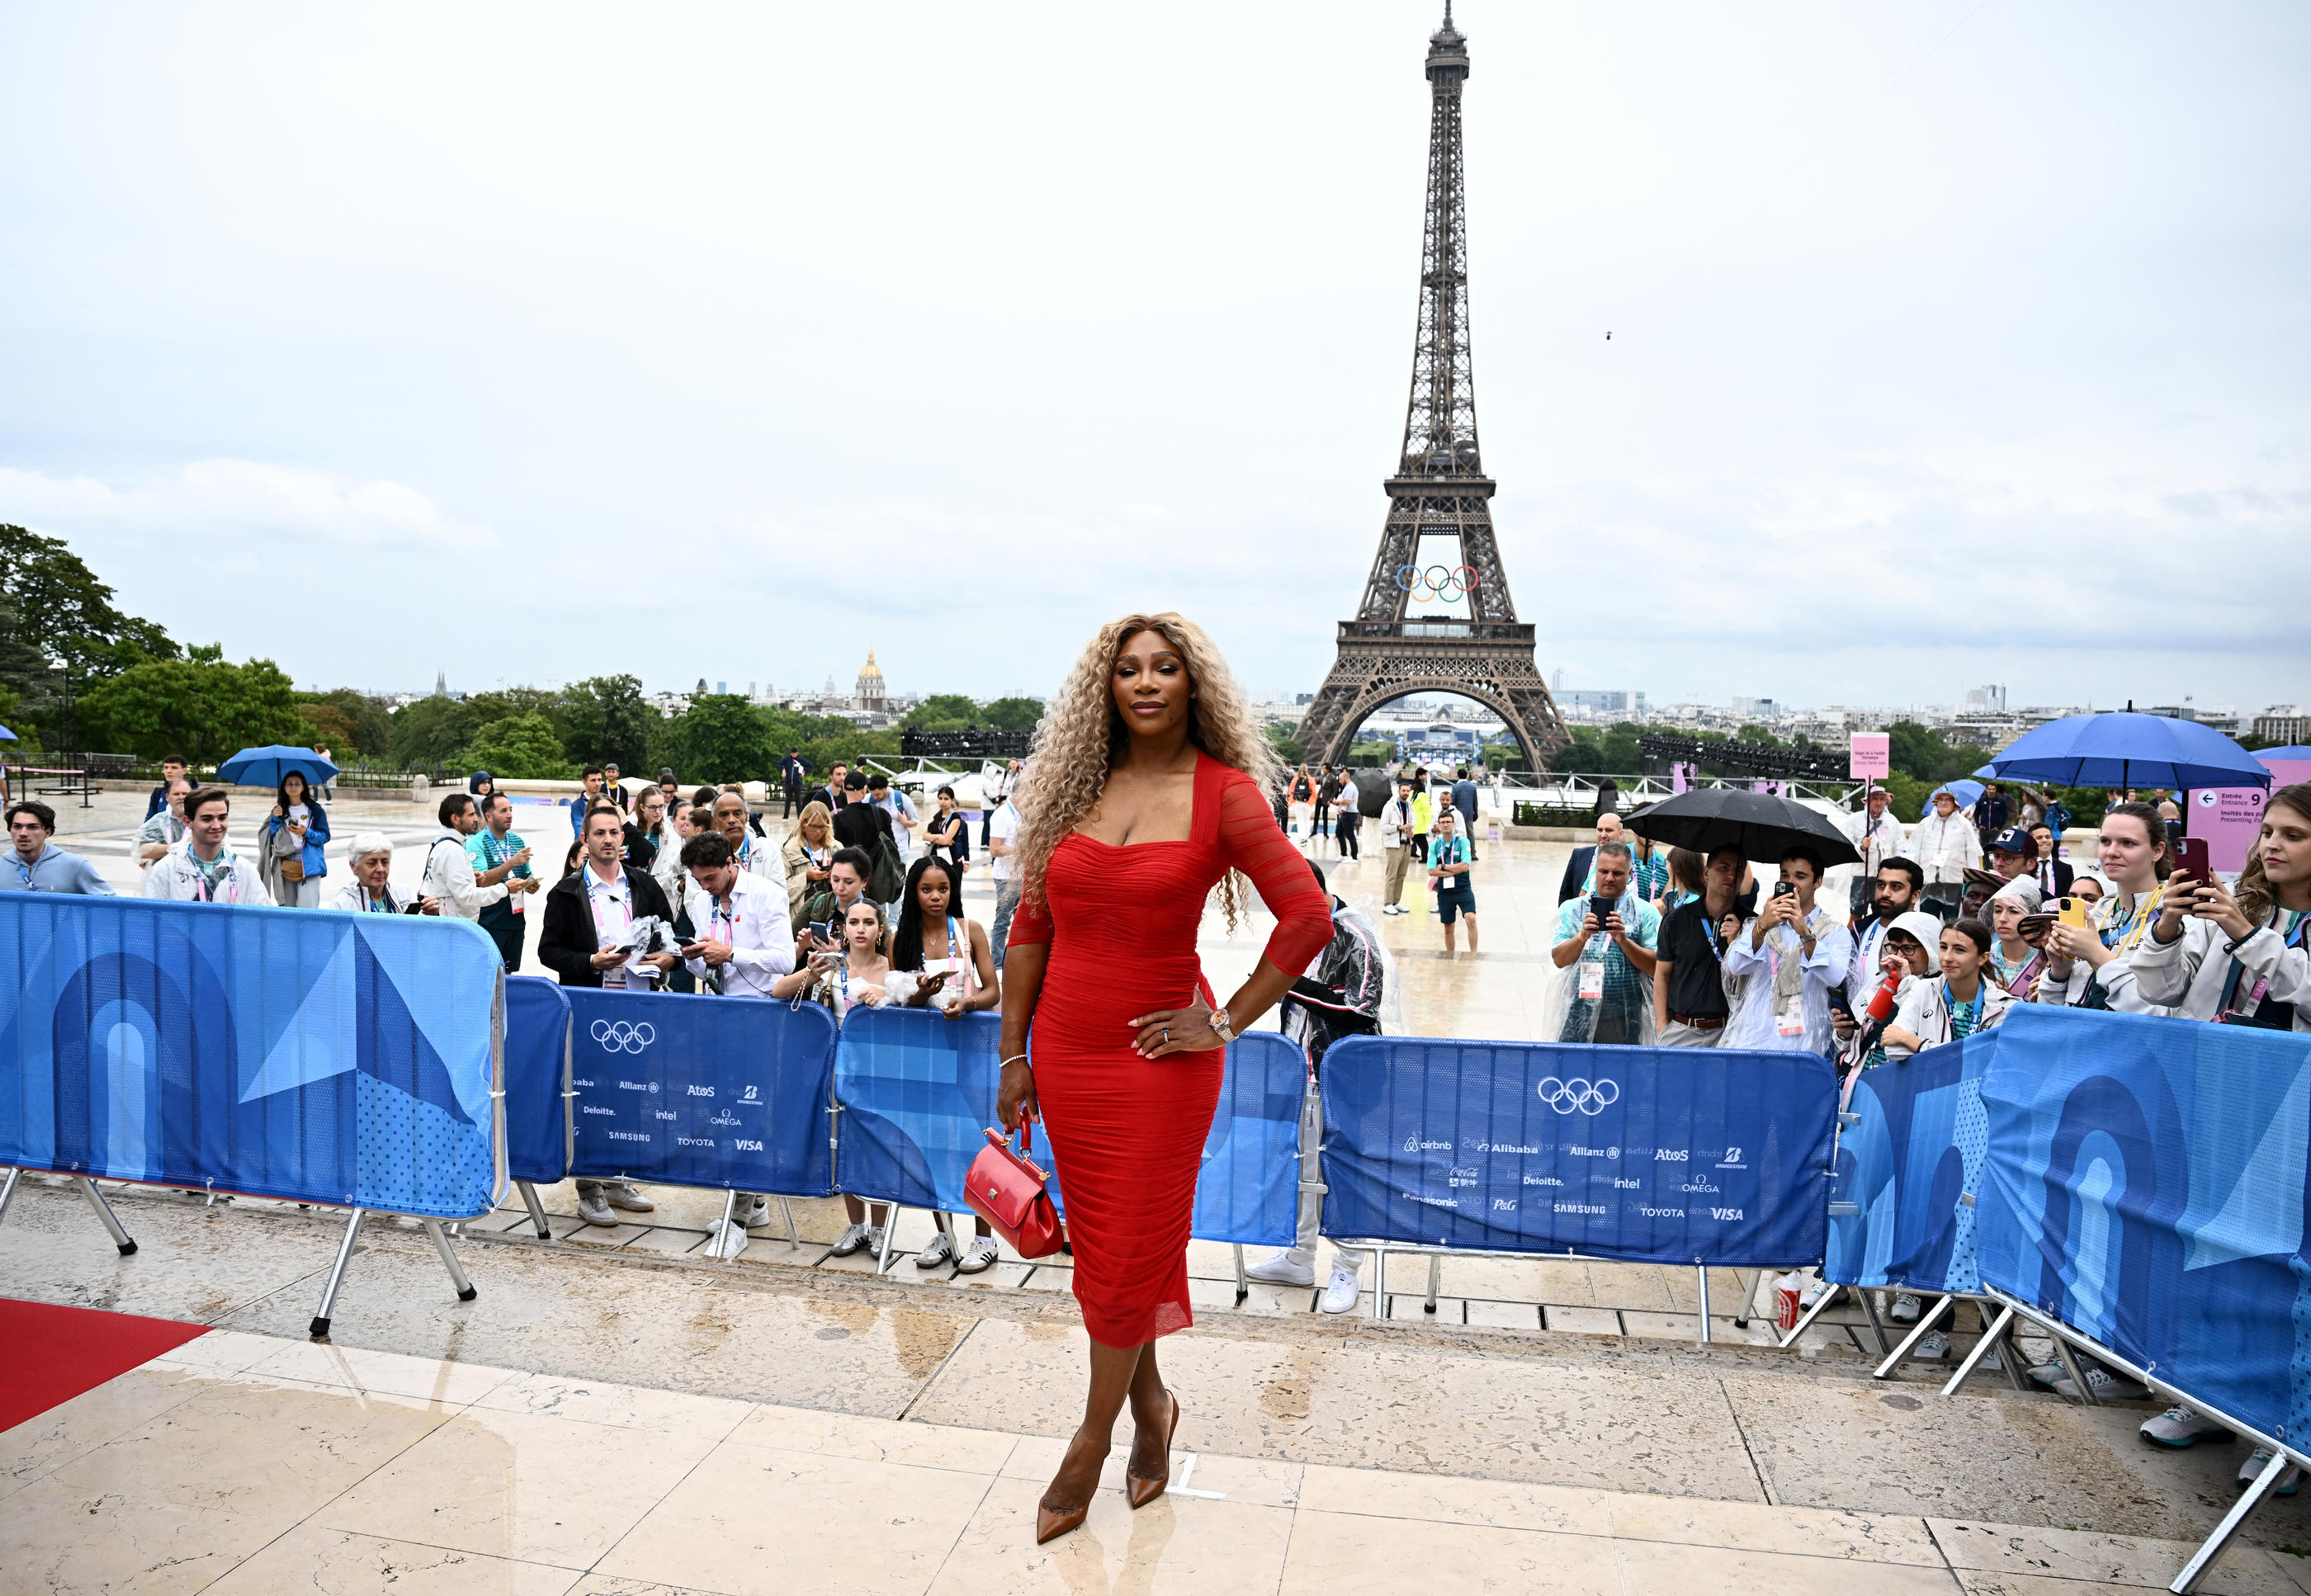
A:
[1454, 901]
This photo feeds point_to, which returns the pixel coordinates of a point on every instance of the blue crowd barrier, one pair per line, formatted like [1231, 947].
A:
[1641, 1154]
[2146, 1185]
[536, 1079]
[1911, 1166]
[918, 1092]
[339, 1059]
[727, 1093]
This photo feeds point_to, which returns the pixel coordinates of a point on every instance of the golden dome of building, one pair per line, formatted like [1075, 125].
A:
[869, 693]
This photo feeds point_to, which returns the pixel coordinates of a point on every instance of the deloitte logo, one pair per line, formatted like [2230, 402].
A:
[620, 1037]
[1589, 1097]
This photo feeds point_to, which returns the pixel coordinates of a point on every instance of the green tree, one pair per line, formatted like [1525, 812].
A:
[520, 745]
[1288, 746]
[429, 733]
[199, 706]
[350, 724]
[1011, 714]
[603, 718]
[1920, 752]
[942, 712]
[728, 741]
[66, 610]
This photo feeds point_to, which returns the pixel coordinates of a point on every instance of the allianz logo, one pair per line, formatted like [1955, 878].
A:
[1581, 1152]
[627, 1136]
[637, 1085]
[743, 1146]
[1660, 1213]
[1413, 1144]
[588, 1108]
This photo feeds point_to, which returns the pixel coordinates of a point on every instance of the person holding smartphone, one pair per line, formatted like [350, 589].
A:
[941, 958]
[1604, 951]
[2091, 966]
[1782, 963]
[855, 971]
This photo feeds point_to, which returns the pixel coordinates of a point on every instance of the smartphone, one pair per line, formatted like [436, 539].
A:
[822, 929]
[1602, 908]
[2073, 912]
[2193, 860]
[1783, 889]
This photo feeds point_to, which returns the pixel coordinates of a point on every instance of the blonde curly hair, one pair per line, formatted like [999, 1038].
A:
[1082, 733]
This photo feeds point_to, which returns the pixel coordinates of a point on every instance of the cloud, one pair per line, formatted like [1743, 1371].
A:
[242, 499]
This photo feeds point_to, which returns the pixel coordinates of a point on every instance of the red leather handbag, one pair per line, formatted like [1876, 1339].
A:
[1008, 1192]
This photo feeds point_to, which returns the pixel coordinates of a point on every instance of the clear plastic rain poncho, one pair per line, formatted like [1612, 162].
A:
[1601, 980]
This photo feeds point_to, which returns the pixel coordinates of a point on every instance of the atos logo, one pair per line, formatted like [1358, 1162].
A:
[1588, 1097]
[701, 1091]
[620, 1037]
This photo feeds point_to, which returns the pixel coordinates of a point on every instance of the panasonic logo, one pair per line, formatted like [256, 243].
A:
[1433, 1202]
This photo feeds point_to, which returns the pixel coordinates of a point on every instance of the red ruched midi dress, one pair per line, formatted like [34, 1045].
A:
[1127, 1133]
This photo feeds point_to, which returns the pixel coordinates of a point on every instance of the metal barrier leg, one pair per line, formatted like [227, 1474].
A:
[723, 1249]
[537, 1210]
[890, 1234]
[2212, 1547]
[787, 1208]
[1829, 1293]
[2078, 1376]
[1926, 1322]
[1701, 1273]
[320, 1327]
[8, 1190]
[1748, 1299]
[1982, 1349]
[1242, 1280]
[466, 1292]
[1870, 1306]
[1380, 1282]
[1436, 1273]
[104, 1211]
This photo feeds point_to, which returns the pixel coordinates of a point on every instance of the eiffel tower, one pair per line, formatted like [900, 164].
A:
[1467, 639]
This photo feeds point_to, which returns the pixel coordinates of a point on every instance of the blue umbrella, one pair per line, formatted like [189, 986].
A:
[2121, 748]
[1963, 791]
[269, 766]
[6, 733]
[2293, 751]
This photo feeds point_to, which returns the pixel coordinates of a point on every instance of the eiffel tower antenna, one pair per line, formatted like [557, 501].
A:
[1463, 637]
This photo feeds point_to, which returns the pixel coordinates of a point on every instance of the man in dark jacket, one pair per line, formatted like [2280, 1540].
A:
[1990, 815]
[603, 898]
[1578, 868]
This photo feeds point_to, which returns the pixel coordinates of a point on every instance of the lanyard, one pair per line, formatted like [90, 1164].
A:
[726, 914]
[497, 852]
[383, 905]
[2291, 938]
[205, 875]
[1953, 1008]
[2123, 934]
[25, 870]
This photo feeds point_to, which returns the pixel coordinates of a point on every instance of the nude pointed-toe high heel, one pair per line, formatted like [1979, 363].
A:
[1050, 1526]
[1142, 1491]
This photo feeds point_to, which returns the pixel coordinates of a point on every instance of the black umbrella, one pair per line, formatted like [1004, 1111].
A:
[1761, 825]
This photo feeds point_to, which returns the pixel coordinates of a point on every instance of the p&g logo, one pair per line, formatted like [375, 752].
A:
[620, 1037]
[1590, 1097]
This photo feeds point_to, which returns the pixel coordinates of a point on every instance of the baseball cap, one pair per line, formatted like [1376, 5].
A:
[2012, 840]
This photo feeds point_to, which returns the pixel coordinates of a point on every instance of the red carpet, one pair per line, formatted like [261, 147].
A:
[54, 1354]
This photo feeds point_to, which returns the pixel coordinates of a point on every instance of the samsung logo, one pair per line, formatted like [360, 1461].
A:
[1579, 1207]
[626, 1136]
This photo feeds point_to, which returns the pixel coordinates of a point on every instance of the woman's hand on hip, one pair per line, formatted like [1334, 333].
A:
[1014, 1097]
[1177, 1031]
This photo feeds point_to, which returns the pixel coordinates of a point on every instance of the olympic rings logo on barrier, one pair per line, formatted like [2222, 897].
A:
[620, 1037]
[1438, 581]
[1589, 1097]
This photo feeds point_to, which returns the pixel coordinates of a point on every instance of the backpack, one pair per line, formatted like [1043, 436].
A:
[888, 878]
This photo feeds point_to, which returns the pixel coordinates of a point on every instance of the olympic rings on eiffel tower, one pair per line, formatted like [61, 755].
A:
[1448, 582]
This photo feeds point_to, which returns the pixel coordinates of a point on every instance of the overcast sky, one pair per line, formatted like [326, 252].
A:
[1952, 342]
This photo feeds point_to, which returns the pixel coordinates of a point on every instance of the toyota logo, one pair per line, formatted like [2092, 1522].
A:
[620, 1037]
[1589, 1097]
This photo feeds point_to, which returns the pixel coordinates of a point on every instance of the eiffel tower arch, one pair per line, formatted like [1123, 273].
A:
[1436, 547]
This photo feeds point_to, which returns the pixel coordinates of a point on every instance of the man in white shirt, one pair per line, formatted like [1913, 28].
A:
[743, 944]
[750, 852]
[1396, 843]
[1877, 836]
[1783, 965]
[901, 808]
[1945, 847]
[1002, 842]
[201, 869]
[448, 874]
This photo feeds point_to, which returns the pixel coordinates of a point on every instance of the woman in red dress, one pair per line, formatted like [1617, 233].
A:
[1151, 784]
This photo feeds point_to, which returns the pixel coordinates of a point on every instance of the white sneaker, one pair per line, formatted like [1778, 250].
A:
[725, 1240]
[1932, 1349]
[1282, 1269]
[1905, 1310]
[941, 1250]
[2180, 1427]
[1342, 1292]
[2046, 1373]
[850, 1241]
[979, 1255]
[875, 1241]
[753, 1209]
[592, 1210]
[2252, 1470]
[2106, 1386]
[1811, 1295]
[626, 1195]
